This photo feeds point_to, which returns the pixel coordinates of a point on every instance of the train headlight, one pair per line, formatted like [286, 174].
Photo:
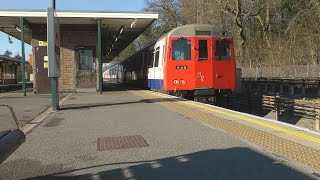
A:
[175, 82]
[182, 82]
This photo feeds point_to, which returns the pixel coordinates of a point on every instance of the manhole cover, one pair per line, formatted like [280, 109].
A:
[121, 142]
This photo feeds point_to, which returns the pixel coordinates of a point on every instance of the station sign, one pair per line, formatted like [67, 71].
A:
[53, 42]
[43, 43]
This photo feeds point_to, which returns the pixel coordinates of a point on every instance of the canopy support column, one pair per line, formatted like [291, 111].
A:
[100, 56]
[23, 57]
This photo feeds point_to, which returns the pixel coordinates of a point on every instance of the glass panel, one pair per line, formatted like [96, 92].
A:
[156, 58]
[86, 59]
[181, 49]
[203, 49]
[223, 51]
[151, 59]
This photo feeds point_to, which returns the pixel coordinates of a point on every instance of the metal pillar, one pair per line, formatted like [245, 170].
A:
[54, 4]
[51, 55]
[23, 57]
[100, 56]
[303, 90]
[292, 90]
[54, 94]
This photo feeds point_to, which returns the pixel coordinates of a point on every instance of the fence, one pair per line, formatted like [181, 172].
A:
[253, 103]
[300, 71]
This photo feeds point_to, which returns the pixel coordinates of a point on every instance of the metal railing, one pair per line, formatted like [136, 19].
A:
[13, 114]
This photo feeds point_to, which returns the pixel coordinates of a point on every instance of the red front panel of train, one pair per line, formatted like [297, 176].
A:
[199, 63]
[179, 65]
[224, 67]
[215, 65]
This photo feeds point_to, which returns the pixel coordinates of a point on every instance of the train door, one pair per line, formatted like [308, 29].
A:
[204, 64]
[158, 73]
[224, 65]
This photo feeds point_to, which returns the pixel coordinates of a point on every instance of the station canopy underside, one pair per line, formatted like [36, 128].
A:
[119, 29]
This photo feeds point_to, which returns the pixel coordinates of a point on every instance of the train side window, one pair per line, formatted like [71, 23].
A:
[223, 50]
[150, 64]
[181, 49]
[203, 49]
[156, 58]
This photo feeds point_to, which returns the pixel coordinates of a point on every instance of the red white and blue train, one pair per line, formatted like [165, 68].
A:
[195, 61]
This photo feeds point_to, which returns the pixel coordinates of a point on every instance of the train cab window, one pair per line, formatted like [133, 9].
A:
[223, 50]
[156, 58]
[181, 49]
[203, 50]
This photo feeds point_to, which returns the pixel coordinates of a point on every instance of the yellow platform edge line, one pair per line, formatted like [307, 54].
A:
[261, 123]
[251, 120]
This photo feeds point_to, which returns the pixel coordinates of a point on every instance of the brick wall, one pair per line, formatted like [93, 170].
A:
[70, 38]
[69, 41]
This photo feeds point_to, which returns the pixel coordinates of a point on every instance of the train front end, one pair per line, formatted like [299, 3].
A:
[199, 58]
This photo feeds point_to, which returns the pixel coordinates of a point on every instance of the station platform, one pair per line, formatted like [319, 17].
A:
[138, 134]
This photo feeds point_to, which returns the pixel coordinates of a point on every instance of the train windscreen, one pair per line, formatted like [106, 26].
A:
[181, 49]
[222, 50]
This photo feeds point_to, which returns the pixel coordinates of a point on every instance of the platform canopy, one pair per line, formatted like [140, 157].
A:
[119, 29]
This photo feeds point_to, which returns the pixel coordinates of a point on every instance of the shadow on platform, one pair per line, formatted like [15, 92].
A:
[233, 163]
[110, 86]
[86, 106]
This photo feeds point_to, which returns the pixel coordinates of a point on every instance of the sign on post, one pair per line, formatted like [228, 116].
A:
[53, 39]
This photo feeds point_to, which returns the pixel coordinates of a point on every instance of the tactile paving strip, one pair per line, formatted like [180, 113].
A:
[305, 155]
[120, 142]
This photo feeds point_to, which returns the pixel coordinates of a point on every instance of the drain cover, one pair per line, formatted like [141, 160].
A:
[121, 142]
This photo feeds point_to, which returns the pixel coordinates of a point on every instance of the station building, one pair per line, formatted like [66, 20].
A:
[78, 42]
[8, 70]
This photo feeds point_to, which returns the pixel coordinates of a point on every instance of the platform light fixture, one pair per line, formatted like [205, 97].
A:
[133, 24]
[17, 28]
[121, 29]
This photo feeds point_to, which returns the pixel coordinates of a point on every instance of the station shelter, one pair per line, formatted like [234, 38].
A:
[80, 33]
[8, 70]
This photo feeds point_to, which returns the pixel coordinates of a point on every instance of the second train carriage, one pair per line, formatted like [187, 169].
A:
[194, 60]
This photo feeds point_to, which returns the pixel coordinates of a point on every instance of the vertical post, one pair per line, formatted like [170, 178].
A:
[54, 93]
[292, 90]
[54, 4]
[23, 57]
[53, 56]
[100, 56]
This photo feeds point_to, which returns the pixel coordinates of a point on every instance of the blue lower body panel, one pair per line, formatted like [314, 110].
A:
[155, 83]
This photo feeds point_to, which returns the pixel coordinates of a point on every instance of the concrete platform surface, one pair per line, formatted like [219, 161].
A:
[26, 108]
[64, 146]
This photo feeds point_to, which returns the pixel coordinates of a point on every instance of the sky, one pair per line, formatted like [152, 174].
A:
[99, 5]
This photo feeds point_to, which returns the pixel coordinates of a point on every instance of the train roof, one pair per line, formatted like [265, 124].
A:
[190, 30]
